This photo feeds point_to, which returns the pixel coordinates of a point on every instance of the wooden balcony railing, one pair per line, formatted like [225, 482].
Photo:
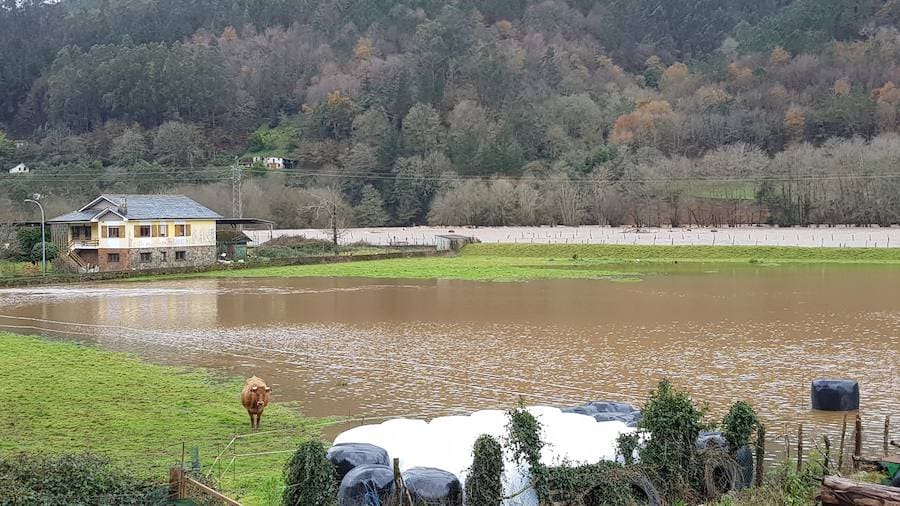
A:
[85, 243]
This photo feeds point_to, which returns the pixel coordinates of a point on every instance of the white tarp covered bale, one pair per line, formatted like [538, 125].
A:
[446, 442]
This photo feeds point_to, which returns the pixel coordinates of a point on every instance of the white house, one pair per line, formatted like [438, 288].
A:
[274, 162]
[127, 232]
[20, 169]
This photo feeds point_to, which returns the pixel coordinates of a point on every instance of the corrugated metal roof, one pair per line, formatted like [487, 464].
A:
[148, 207]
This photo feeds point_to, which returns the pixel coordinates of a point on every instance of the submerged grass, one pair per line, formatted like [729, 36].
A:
[521, 262]
[63, 397]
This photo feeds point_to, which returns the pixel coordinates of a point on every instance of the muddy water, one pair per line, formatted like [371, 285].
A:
[387, 347]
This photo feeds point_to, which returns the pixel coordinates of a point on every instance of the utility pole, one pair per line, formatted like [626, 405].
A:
[237, 205]
[43, 238]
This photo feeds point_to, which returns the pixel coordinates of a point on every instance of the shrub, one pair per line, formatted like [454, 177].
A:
[592, 485]
[483, 485]
[669, 454]
[37, 252]
[293, 247]
[309, 477]
[83, 478]
[738, 425]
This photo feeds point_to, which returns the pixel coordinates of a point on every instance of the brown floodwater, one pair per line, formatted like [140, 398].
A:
[369, 348]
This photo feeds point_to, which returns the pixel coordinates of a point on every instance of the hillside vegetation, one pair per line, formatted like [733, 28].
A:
[488, 112]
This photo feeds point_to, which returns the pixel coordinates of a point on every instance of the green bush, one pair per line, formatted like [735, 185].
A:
[600, 484]
[673, 424]
[309, 477]
[74, 479]
[738, 425]
[28, 237]
[37, 252]
[483, 485]
[293, 247]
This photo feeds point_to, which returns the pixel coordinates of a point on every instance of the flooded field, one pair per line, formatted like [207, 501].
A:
[369, 348]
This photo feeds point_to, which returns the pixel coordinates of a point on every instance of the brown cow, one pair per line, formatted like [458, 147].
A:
[255, 397]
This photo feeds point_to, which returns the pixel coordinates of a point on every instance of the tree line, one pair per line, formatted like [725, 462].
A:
[482, 112]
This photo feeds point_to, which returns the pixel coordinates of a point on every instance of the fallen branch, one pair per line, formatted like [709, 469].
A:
[844, 492]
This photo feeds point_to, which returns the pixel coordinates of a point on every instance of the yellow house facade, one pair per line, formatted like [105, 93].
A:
[130, 232]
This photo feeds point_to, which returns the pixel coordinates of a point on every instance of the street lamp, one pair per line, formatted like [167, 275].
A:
[43, 238]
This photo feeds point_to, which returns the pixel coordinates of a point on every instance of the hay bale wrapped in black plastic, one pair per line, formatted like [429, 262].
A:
[834, 395]
[346, 456]
[365, 485]
[608, 411]
[433, 487]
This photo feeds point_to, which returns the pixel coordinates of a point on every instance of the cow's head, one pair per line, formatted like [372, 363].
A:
[261, 396]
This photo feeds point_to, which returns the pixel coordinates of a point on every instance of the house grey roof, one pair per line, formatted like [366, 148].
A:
[146, 207]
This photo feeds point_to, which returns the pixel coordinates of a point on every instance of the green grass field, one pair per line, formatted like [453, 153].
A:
[522, 262]
[64, 397]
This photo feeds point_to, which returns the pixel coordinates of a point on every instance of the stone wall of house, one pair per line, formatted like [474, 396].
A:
[163, 258]
[159, 258]
[122, 265]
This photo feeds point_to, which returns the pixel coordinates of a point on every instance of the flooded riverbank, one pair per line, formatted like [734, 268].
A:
[371, 347]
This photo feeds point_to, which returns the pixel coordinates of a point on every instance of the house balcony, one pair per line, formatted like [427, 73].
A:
[84, 244]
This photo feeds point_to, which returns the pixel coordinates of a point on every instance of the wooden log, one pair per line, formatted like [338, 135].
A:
[800, 448]
[841, 491]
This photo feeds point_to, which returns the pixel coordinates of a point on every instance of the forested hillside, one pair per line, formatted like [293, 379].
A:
[488, 112]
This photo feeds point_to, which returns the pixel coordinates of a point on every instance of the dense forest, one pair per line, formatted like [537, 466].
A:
[480, 112]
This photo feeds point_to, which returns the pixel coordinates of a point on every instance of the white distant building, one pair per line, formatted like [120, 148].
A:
[20, 169]
[274, 162]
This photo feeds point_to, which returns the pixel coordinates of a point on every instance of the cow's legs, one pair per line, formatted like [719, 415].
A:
[251, 419]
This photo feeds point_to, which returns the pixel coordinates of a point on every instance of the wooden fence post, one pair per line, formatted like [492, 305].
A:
[857, 444]
[398, 481]
[760, 453]
[840, 462]
[827, 456]
[887, 432]
[800, 448]
[176, 483]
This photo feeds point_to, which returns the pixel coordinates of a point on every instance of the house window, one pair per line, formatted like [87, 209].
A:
[182, 231]
[146, 257]
[163, 255]
[112, 232]
[163, 229]
[81, 232]
[144, 231]
[180, 256]
[112, 258]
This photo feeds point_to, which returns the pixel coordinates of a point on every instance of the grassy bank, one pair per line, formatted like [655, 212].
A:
[63, 397]
[625, 253]
[511, 262]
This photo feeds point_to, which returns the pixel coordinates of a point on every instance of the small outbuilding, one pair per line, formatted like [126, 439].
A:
[231, 245]
[451, 242]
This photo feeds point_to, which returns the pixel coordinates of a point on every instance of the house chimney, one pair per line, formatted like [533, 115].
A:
[123, 209]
